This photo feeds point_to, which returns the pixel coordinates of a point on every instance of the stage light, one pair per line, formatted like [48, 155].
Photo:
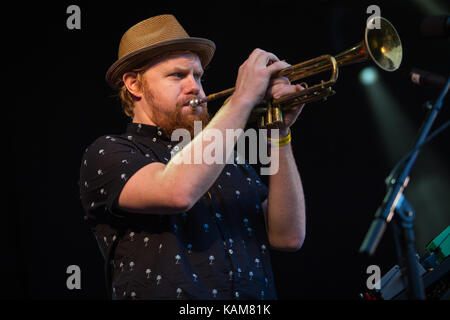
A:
[368, 76]
[431, 7]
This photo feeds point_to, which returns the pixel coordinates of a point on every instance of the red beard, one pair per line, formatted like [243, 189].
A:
[169, 122]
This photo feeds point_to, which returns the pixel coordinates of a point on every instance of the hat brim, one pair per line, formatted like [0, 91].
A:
[204, 48]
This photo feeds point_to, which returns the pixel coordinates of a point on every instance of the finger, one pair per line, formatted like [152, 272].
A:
[280, 91]
[270, 59]
[284, 64]
[264, 58]
[277, 66]
[257, 55]
[278, 81]
[281, 88]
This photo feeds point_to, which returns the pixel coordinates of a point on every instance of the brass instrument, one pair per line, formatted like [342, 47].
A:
[381, 45]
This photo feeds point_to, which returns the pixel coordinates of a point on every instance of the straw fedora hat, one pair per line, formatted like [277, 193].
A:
[150, 38]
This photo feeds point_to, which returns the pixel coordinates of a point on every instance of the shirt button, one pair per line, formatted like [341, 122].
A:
[154, 139]
[159, 133]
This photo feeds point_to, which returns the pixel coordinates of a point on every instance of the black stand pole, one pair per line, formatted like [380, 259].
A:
[406, 252]
[395, 202]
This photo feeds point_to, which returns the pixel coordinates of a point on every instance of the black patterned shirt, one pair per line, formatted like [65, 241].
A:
[217, 250]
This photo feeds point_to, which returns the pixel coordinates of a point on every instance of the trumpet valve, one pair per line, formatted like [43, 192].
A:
[274, 117]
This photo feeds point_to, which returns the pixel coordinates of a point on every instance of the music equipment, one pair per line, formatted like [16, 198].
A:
[381, 45]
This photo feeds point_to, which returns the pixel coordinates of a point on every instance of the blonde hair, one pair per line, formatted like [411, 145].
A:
[126, 97]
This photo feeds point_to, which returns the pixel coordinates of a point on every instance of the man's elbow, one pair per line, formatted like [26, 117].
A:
[298, 244]
[295, 245]
[179, 196]
[182, 202]
[288, 245]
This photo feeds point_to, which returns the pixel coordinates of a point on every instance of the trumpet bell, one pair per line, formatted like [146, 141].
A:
[383, 44]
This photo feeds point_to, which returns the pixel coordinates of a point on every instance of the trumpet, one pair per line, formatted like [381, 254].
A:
[381, 44]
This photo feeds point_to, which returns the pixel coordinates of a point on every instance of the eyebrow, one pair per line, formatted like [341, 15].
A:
[186, 70]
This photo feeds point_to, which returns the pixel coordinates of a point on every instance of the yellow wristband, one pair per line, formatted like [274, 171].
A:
[281, 142]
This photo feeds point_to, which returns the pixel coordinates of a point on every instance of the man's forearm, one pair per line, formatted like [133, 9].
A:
[286, 221]
[194, 179]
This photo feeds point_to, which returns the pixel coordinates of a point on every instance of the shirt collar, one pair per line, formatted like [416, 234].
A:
[146, 130]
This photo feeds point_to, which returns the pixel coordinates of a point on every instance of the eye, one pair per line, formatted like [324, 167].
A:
[199, 77]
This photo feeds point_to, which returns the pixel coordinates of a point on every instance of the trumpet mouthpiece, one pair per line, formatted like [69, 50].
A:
[194, 103]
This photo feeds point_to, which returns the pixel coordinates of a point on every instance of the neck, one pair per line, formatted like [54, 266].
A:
[142, 117]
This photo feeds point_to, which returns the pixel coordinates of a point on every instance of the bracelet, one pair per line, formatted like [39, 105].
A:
[281, 142]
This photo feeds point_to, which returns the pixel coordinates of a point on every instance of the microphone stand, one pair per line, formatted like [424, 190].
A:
[395, 203]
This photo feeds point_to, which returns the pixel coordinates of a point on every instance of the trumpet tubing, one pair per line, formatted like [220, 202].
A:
[382, 46]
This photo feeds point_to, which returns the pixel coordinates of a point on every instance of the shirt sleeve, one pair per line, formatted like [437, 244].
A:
[106, 166]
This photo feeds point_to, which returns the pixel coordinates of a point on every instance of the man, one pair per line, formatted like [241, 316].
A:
[173, 229]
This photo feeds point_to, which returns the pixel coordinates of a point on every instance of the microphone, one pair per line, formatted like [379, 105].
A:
[435, 26]
[427, 79]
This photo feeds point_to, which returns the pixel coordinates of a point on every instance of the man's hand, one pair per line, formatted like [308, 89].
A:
[279, 87]
[256, 82]
[255, 76]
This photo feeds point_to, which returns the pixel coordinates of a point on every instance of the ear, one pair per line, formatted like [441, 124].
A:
[130, 79]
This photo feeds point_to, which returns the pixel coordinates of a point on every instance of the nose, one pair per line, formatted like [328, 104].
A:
[192, 85]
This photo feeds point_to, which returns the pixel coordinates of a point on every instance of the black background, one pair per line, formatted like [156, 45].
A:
[57, 103]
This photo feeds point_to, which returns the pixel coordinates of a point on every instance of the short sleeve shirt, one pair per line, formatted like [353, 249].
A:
[216, 250]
